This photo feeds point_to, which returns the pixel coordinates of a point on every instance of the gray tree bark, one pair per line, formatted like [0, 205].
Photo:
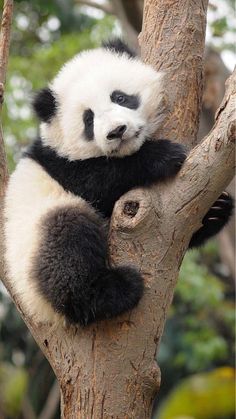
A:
[108, 370]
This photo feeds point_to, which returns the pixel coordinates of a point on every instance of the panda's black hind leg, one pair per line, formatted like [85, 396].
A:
[215, 219]
[115, 291]
[72, 273]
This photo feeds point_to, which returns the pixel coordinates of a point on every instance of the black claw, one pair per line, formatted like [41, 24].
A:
[215, 219]
[221, 200]
[225, 194]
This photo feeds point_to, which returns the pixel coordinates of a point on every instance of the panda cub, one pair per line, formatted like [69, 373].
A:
[97, 119]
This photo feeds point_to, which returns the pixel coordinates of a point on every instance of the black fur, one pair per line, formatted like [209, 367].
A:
[88, 119]
[118, 46]
[127, 101]
[215, 219]
[101, 181]
[45, 105]
[72, 272]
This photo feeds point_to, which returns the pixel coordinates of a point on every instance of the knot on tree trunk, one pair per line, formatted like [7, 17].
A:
[131, 210]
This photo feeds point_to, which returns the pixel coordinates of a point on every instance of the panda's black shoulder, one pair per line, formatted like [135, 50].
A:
[118, 46]
[46, 157]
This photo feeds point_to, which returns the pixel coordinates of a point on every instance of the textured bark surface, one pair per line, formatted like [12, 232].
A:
[108, 370]
[172, 40]
[4, 52]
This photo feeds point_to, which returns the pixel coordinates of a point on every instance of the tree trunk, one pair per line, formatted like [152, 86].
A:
[172, 41]
[108, 370]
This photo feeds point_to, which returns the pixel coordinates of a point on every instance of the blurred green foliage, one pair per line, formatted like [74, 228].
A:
[199, 333]
[221, 24]
[13, 385]
[42, 40]
[202, 396]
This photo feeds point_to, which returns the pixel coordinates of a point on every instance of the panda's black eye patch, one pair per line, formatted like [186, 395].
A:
[88, 119]
[122, 99]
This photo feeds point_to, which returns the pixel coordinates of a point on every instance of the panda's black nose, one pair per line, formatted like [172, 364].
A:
[117, 132]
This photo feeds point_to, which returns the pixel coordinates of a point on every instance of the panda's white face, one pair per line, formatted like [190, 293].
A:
[107, 104]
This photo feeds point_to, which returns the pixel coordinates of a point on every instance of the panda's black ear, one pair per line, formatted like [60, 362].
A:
[45, 104]
[117, 45]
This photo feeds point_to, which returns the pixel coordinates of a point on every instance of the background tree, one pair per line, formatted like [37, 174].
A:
[59, 40]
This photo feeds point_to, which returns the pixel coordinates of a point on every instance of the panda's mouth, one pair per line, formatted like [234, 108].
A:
[125, 139]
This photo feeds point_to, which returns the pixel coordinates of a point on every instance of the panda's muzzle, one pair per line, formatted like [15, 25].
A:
[117, 133]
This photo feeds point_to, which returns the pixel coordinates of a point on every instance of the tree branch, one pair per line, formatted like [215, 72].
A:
[4, 52]
[52, 403]
[134, 12]
[128, 12]
[129, 30]
[5, 38]
[208, 169]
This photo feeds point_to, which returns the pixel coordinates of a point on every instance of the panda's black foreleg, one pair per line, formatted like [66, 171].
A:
[72, 272]
[215, 219]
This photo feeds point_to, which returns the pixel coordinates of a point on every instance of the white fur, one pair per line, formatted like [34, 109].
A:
[31, 193]
[86, 82]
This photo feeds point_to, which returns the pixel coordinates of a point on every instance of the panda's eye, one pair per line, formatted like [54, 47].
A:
[88, 118]
[123, 99]
[120, 99]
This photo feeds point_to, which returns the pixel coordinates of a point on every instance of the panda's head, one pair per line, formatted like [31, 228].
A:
[103, 102]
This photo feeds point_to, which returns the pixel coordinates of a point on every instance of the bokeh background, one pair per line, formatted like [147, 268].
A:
[197, 351]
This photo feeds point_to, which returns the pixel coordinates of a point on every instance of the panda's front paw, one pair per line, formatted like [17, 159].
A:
[164, 158]
[215, 219]
[175, 158]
